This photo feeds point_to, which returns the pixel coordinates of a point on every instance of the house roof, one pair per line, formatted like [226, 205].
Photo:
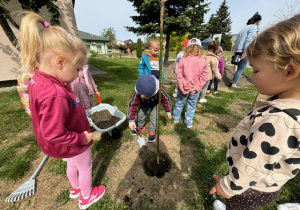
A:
[91, 37]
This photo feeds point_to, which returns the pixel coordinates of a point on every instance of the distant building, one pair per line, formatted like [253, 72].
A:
[118, 42]
[94, 42]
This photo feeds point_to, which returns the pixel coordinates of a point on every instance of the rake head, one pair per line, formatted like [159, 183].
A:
[26, 189]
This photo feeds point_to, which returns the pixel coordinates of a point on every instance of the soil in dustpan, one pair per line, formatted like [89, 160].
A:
[103, 119]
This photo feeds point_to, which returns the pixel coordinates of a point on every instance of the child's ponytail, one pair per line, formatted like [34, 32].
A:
[30, 41]
[38, 41]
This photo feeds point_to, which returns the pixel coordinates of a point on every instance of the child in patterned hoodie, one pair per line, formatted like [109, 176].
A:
[263, 153]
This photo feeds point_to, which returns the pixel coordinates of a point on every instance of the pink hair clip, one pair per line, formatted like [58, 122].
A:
[46, 24]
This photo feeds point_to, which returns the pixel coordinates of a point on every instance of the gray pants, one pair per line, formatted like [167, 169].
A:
[142, 114]
[204, 89]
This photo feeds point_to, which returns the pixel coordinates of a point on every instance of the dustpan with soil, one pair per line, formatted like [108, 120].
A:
[105, 118]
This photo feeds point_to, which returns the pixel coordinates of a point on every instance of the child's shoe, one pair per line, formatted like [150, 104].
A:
[208, 91]
[287, 206]
[175, 92]
[215, 92]
[74, 193]
[137, 130]
[218, 205]
[96, 194]
[151, 136]
[188, 126]
[202, 100]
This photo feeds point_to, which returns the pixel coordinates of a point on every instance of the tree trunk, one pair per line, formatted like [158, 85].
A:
[167, 50]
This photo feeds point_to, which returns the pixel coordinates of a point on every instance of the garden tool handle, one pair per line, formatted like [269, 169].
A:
[39, 167]
[99, 99]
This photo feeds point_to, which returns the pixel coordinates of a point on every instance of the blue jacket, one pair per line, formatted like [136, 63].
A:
[245, 37]
[145, 68]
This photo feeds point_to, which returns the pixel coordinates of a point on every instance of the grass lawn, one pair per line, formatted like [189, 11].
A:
[18, 147]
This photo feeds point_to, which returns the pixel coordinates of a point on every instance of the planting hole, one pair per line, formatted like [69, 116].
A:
[153, 169]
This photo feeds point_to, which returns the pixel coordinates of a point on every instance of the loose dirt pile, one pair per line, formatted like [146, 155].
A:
[103, 119]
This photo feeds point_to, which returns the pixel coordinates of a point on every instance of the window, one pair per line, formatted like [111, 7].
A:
[88, 48]
[99, 49]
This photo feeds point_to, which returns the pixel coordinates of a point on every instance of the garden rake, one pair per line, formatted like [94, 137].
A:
[28, 187]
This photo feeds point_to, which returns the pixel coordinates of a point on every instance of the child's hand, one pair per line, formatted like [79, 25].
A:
[132, 125]
[98, 93]
[88, 137]
[220, 79]
[193, 91]
[217, 188]
[169, 115]
[186, 92]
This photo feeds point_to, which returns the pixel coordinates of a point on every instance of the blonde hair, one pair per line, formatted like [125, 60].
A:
[153, 41]
[194, 49]
[37, 41]
[279, 43]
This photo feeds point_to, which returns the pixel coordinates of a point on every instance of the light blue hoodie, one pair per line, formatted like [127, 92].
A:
[145, 68]
[245, 37]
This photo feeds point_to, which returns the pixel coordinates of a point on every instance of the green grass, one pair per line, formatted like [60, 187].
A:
[18, 147]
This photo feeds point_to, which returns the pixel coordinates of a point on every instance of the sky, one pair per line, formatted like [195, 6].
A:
[92, 16]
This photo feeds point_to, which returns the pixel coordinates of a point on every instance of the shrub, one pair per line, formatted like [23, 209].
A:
[93, 53]
[139, 48]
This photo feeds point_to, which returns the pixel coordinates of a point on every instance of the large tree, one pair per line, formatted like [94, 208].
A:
[220, 23]
[180, 16]
[110, 33]
[32, 5]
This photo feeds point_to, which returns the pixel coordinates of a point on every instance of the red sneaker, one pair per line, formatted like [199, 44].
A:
[137, 130]
[74, 193]
[151, 136]
[96, 194]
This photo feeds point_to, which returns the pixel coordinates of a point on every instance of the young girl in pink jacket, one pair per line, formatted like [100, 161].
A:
[192, 74]
[84, 87]
[53, 56]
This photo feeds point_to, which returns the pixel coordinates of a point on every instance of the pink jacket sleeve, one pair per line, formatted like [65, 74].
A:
[180, 76]
[221, 66]
[203, 77]
[95, 87]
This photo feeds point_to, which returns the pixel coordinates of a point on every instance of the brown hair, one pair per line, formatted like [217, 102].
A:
[38, 42]
[213, 47]
[279, 43]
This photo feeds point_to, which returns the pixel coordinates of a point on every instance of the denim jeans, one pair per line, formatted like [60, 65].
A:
[216, 83]
[190, 106]
[241, 68]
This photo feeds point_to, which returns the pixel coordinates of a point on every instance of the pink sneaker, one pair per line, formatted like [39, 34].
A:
[96, 194]
[74, 193]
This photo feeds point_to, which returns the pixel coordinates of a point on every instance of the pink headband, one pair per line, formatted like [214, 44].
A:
[46, 24]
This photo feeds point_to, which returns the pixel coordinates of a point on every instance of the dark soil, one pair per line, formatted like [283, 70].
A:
[152, 168]
[103, 119]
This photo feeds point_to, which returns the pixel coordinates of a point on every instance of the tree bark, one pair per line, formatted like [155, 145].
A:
[167, 50]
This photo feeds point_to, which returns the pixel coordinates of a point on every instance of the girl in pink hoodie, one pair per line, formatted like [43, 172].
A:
[84, 87]
[192, 74]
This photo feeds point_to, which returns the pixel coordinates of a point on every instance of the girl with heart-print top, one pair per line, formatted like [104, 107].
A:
[263, 153]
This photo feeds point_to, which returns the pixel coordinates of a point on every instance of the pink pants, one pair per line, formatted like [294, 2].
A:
[79, 171]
